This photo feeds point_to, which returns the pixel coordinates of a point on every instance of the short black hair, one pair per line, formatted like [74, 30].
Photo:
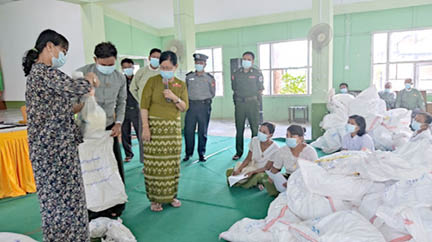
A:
[295, 129]
[127, 60]
[343, 83]
[155, 50]
[249, 53]
[271, 127]
[427, 116]
[105, 50]
[168, 55]
[361, 123]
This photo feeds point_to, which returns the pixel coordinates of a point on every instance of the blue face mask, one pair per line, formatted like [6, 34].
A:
[107, 70]
[344, 90]
[387, 90]
[262, 137]
[350, 128]
[407, 86]
[128, 71]
[167, 74]
[291, 142]
[58, 62]
[154, 62]
[415, 125]
[246, 64]
[199, 67]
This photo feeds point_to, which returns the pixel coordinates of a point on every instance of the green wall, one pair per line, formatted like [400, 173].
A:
[128, 39]
[352, 48]
[353, 40]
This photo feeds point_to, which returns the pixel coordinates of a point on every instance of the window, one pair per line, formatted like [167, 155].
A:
[286, 67]
[214, 66]
[400, 55]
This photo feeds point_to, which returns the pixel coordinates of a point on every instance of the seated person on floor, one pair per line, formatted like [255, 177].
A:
[357, 138]
[422, 127]
[261, 148]
[288, 155]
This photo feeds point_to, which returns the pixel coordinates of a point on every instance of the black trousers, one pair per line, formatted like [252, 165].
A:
[197, 114]
[117, 209]
[132, 117]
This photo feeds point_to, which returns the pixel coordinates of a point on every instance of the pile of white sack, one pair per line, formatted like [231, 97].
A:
[389, 129]
[110, 230]
[104, 187]
[351, 196]
[13, 237]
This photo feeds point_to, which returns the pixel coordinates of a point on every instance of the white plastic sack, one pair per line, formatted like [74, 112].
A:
[337, 186]
[307, 205]
[331, 141]
[103, 185]
[117, 232]
[110, 230]
[92, 118]
[343, 226]
[13, 237]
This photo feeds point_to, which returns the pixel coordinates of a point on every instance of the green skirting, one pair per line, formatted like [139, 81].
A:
[162, 160]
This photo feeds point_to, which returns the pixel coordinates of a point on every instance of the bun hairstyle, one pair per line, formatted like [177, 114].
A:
[270, 126]
[168, 55]
[46, 36]
[427, 117]
[361, 123]
[296, 130]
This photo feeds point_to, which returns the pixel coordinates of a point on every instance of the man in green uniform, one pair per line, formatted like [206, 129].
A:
[247, 85]
[410, 98]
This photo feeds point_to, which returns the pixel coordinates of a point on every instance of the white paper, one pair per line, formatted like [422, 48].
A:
[234, 179]
[278, 180]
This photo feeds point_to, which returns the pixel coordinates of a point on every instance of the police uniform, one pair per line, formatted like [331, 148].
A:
[247, 88]
[201, 90]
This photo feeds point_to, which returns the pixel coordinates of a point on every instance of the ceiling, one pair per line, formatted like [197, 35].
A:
[159, 13]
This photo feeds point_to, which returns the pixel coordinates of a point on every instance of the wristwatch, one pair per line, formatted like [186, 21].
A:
[178, 101]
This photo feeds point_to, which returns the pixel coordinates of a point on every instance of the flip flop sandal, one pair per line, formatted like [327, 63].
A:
[176, 203]
[156, 207]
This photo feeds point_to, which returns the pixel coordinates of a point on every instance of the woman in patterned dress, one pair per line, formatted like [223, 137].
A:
[164, 97]
[54, 137]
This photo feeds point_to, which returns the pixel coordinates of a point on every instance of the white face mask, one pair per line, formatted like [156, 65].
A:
[107, 70]
[262, 137]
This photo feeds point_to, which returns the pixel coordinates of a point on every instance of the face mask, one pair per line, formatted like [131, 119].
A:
[387, 90]
[154, 62]
[291, 142]
[344, 90]
[58, 62]
[128, 71]
[350, 128]
[415, 125]
[408, 86]
[262, 137]
[167, 74]
[246, 64]
[105, 69]
[199, 67]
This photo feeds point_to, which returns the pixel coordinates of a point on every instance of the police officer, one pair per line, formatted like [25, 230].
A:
[201, 90]
[247, 85]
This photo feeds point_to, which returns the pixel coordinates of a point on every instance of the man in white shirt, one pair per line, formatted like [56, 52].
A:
[143, 74]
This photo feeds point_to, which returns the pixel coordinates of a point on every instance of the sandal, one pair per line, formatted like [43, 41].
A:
[127, 159]
[156, 207]
[176, 203]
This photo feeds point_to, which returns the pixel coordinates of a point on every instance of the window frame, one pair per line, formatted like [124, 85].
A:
[307, 67]
[213, 63]
[387, 63]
